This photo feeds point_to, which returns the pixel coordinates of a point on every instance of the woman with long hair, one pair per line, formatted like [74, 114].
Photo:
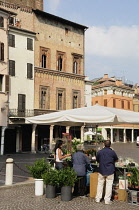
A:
[59, 154]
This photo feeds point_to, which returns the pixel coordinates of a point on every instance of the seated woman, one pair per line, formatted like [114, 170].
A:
[80, 162]
[59, 154]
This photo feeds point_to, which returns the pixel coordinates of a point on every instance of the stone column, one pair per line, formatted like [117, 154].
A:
[132, 135]
[124, 135]
[117, 135]
[51, 136]
[111, 135]
[104, 133]
[33, 138]
[67, 129]
[2, 139]
[82, 133]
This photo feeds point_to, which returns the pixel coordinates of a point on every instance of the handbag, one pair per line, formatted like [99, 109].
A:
[90, 169]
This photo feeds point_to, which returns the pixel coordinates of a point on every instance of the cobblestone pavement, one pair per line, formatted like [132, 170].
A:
[23, 198]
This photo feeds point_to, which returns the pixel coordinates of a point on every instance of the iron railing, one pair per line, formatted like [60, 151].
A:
[21, 113]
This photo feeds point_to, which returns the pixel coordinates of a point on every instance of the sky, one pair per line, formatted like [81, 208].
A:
[112, 39]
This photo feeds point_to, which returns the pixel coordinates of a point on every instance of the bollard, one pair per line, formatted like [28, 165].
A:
[9, 172]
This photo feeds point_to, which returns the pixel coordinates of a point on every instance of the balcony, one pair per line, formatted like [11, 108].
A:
[21, 113]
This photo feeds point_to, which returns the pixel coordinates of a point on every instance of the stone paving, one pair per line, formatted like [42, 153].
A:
[21, 197]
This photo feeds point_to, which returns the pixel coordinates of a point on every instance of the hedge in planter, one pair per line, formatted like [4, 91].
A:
[67, 179]
[38, 168]
[51, 179]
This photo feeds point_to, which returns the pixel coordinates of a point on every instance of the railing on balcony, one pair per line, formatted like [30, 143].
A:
[21, 113]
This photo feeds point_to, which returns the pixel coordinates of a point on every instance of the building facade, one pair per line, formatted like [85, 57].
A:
[112, 92]
[58, 70]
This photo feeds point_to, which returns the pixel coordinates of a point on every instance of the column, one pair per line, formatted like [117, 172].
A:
[67, 129]
[2, 139]
[124, 135]
[51, 136]
[111, 135]
[117, 136]
[17, 140]
[33, 138]
[104, 133]
[132, 135]
[82, 133]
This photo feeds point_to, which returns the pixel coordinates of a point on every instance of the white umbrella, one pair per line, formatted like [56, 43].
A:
[93, 115]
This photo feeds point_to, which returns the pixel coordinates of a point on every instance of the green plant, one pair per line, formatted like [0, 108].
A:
[134, 178]
[67, 177]
[51, 177]
[38, 168]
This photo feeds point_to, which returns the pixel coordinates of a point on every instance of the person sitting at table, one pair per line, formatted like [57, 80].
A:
[106, 158]
[80, 162]
[59, 155]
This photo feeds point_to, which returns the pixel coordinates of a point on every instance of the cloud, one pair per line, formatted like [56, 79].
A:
[52, 5]
[114, 41]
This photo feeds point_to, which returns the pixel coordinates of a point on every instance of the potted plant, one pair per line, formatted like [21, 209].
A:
[37, 170]
[51, 179]
[67, 179]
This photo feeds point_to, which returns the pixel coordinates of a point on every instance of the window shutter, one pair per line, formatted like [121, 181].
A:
[12, 68]
[1, 22]
[29, 70]
[2, 52]
[13, 41]
[6, 83]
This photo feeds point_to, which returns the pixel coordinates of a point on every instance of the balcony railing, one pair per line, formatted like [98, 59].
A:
[28, 112]
[21, 113]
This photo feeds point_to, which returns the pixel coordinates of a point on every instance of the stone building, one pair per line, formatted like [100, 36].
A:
[58, 64]
[112, 92]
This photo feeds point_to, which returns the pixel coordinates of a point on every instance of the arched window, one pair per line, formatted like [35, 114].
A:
[75, 67]
[44, 61]
[60, 60]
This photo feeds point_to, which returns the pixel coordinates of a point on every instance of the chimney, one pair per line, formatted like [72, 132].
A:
[105, 76]
[119, 82]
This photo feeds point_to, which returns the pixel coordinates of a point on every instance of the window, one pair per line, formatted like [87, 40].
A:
[105, 92]
[1, 80]
[75, 67]
[60, 61]
[105, 102]
[44, 97]
[45, 57]
[76, 99]
[11, 68]
[128, 104]
[44, 61]
[61, 103]
[1, 51]
[1, 21]
[76, 63]
[114, 103]
[21, 105]
[11, 40]
[6, 83]
[114, 92]
[29, 44]
[11, 21]
[29, 71]
[122, 104]
[66, 31]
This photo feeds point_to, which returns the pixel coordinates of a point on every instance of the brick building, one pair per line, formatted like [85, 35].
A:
[113, 92]
[58, 66]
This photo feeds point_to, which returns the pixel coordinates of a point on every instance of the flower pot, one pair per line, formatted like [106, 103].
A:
[50, 191]
[39, 188]
[66, 193]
